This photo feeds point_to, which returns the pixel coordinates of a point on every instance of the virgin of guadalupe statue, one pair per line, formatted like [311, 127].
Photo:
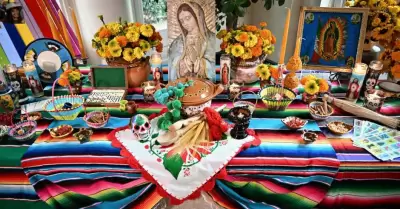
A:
[192, 53]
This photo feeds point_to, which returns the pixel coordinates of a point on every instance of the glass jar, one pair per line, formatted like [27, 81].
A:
[33, 78]
[371, 78]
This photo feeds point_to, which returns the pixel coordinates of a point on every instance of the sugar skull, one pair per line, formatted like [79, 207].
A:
[370, 84]
[140, 126]
[16, 86]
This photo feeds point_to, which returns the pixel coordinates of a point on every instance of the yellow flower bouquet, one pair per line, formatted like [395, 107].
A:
[129, 41]
[247, 42]
[313, 85]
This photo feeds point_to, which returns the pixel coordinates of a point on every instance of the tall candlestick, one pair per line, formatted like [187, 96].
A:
[54, 31]
[284, 38]
[297, 49]
[78, 33]
[65, 32]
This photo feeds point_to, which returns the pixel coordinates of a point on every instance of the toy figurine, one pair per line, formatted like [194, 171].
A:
[240, 116]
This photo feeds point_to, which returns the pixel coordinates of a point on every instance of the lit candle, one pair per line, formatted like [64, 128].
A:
[65, 32]
[284, 38]
[54, 31]
[78, 33]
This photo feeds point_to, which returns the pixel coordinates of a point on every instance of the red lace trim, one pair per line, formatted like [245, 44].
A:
[208, 186]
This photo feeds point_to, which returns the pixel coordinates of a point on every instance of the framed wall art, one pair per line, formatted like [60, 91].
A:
[331, 38]
[191, 35]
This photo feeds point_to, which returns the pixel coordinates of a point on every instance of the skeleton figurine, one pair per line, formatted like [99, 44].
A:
[370, 83]
[140, 126]
[16, 86]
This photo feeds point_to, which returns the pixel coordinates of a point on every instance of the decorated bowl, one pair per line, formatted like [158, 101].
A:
[315, 111]
[199, 93]
[61, 131]
[339, 128]
[294, 123]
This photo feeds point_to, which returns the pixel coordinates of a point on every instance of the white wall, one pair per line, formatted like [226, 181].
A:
[87, 12]
[276, 18]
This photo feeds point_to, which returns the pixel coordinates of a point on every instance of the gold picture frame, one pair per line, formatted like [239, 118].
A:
[333, 25]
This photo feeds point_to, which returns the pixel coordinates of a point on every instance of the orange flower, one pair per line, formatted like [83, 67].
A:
[265, 34]
[323, 85]
[256, 51]
[122, 40]
[156, 36]
[104, 33]
[250, 28]
[396, 56]
[259, 42]
[138, 24]
[159, 48]
[273, 40]
[223, 45]
[397, 43]
[274, 73]
[263, 24]
[243, 37]
[108, 54]
[68, 71]
[63, 81]
[396, 71]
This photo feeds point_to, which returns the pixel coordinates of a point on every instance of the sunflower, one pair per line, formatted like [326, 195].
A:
[113, 44]
[138, 52]
[116, 52]
[395, 70]
[132, 36]
[262, 71]
[323, 85]
[252, 41]
[247, 54]
[128, 54]
[311, 87]
[382, 33]
[144, 45]
[237, 50]
[146, 30]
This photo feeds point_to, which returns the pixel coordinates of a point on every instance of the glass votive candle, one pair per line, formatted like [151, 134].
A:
[374, 99]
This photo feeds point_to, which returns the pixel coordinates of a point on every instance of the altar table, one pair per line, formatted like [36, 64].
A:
[282, 172]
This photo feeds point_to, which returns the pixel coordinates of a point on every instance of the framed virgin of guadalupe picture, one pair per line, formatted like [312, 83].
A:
[331, 38]
[191, 35]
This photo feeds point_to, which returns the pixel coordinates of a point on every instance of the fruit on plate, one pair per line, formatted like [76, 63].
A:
[61, 130]
[294, 122]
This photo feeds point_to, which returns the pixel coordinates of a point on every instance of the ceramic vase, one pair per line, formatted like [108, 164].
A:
[264, 83]
[245, 70]
[77, 86]
[308, 98]
[138, 70]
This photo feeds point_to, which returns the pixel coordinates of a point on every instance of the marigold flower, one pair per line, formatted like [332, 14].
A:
[221, 34]
[323, 85]
[256, 51]
[122, 40]
[396, 56]
[128, 54]
[265, 34]
[307, 78]
[395, 70]
[273, 39]
[263, 24]
[250, 28]
[159, 48]
[104, 33]
[311, 87]
[237, 50]
[242, 37]
[146, 30]
[223, 45]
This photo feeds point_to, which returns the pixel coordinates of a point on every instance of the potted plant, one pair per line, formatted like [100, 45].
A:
[312, 87]
[233, 9]
[72, 77]
[126, 44]
[248, 46]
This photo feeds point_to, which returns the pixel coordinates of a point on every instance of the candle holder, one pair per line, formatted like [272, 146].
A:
[373, 99]
[240, 116]
[79, 61]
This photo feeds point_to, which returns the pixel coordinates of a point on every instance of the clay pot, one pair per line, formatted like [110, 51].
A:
[131, 107]
[308, 98]
[77, 87]
[138, 70]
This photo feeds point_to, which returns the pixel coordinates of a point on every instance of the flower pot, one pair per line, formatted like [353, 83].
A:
[308, 98]
[264, 83]
[245, 70]
[77, 86]
[138, 70]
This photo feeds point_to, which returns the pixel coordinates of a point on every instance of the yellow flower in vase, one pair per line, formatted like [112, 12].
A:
[104, 41]
[102, 52]
[113, 44]
[115, 28]
[138, 52]
[228, 49]
[262, 71]
[311, 87]
[252, 41]
[237, 50]
[116, 52]
[383, 33]
[144, 45]
[128, 54]
[227, 37]
[248, 54]
[132, 36]
[376, 21]
[221, 34]
[146, 30]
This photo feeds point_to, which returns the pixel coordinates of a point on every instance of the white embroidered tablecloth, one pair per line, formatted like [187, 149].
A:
[178, 174]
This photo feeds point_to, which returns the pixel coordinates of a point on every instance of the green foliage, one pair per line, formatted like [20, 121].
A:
[232, 9]
[154, 11]
[173, 164]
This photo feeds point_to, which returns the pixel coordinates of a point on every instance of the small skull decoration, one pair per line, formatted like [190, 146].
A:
[370, 84]
[140, 126]
[15, 85]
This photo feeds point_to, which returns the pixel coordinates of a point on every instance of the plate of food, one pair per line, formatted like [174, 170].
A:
[31, 116]
[294, 123]
[319, 112]
[339, 128]
[61, 131]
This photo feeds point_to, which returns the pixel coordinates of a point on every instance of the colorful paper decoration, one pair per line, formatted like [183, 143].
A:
[64, 31]
[3, 57]
[8, 46]
[39, 16]
[30, 21]
[16, 40]
[78, 33]
[25, 33]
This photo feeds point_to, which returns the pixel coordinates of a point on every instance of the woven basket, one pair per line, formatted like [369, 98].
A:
[272, 104]
[88, 115]
[53, 106]
[27, 136]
